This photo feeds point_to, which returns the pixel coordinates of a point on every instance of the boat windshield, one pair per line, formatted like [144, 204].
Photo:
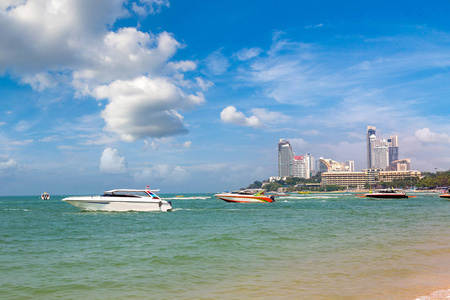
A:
[137, 194]
[390, 191]
[249, 192]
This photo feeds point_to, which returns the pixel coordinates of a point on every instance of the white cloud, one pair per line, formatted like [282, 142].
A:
[128, 53]
[145, 107]
[145, 7]
[204, 85]
[246, 54]
[7, 164]
[162, 173]
[313, 26]
[232, 116]
[217, 63]
[425, 135]
[270, 117]
[187, 144]
[112, 163]
[23, 126]
[46, 43]
[21, 143]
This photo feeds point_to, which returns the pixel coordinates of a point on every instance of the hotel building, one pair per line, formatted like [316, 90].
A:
[370, 176]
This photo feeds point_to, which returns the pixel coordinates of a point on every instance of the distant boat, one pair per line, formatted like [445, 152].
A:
[387, 193]
[445, 195]
[304, 192]
[179, 196]
[45, 196]
[246, 196]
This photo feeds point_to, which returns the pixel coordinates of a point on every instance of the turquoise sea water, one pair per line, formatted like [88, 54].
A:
[303, 247]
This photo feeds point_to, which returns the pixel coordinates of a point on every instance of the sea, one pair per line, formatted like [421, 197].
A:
[315, 246]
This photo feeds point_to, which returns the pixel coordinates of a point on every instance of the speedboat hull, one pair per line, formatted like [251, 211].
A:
[387, 195]
[118, 204]
[244, 198]
[445, 196]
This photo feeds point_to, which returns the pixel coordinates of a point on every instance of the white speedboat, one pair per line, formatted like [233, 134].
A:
[45, 196]
[387, 193]
[245, 196]
[122, 200]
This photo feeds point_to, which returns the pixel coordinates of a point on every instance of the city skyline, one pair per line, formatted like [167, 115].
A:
[193, 96]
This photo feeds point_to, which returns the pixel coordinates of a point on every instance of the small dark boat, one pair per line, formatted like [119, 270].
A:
[387, 193]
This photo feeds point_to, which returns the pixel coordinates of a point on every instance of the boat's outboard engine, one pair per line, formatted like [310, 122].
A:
[272, 197]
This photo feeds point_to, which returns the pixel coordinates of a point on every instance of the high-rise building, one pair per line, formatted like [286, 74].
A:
[393, 148]
[285, 159]
[311, 164]
[301, 168]
[349, 166]
[370, 132]
[380, 157]
[380, 150]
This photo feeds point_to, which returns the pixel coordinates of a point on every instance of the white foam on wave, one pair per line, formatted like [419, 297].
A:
[438, 295]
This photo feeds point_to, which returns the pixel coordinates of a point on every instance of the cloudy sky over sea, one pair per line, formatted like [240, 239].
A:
[191, 96]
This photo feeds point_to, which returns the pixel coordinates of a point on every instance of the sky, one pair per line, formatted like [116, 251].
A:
[193, 96]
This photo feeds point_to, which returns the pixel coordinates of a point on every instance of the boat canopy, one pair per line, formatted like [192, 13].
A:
[131, 193]
[130, 190]
[250, 192]
[390, 191]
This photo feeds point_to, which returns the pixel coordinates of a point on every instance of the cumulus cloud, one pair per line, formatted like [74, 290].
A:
[260, 117]
[46, 43]
[145, 107]
[425, 135]
[162, 173]
[112, 163]
[231, 115]
[270, 117]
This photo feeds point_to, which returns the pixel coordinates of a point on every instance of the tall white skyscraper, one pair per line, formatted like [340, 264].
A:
[285, 159]
[301, 167]
[370, 132]
[311, 164]
[380, 157]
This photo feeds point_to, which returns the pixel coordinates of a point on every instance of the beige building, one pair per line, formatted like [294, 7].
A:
[371, 176]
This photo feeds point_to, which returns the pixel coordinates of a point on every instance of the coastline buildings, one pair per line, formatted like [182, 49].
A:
[380, 152]
[368, 176]
[329, 165]
[290, 165]
[383, 164]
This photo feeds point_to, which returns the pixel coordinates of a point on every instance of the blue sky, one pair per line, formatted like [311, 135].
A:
[193, 96]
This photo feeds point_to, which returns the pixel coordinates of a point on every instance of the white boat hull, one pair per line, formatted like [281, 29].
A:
[118, 204]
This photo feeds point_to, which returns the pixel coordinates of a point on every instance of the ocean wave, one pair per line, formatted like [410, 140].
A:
[438, 295]
[187, 198]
